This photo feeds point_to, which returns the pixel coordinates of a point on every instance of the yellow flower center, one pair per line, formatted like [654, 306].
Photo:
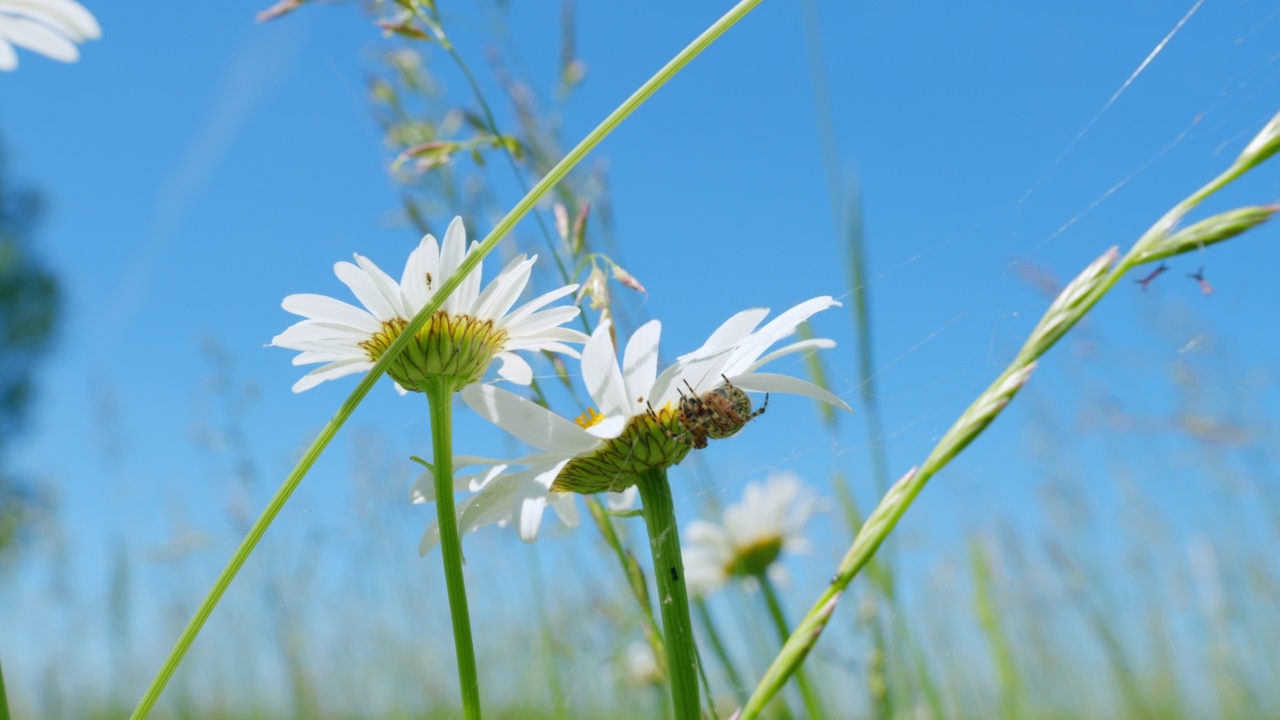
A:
[589, 418]
[618, 463]
[755, 558]
[458, 347]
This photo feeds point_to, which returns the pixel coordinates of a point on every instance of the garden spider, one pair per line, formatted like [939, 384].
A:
[715, 414]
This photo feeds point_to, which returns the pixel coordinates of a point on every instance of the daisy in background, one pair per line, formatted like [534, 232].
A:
[746, 545]
[639, 420]
[49, 27]
[471, 329]
[751, 536]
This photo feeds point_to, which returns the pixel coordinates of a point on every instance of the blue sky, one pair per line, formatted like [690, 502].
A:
[199, 167]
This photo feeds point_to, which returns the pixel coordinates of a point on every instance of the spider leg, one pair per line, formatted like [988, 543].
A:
[652, 414]
[665, 430]
[763, 405]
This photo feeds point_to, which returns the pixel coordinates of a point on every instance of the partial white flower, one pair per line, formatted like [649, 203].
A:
[640, 666]
[49, 27]
[737, 349]
[618, 439]
[522, 495]
[472, 328]
[753, 533]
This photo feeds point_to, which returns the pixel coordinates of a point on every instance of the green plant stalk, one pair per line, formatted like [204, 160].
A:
[440, 400]
[846, 213]
[1072, 304]
[893, 635]
[504, 226]
[4, 700]
[673, 596]
[812, 703]
[722, 655]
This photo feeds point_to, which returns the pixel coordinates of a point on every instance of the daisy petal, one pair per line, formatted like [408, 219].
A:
[640, 361]
[566, 509]
[452, 252]
[514, 368]
[67, 17]
[771, 382]
[782, 326]
[504, 290]
[610, 427]
[421, 275]
[38, 37]
[469, 290]
[527, 420]
[368, 289]
[527, 309]
[601, 374]
[327, 309]
[795, 347]
[731, 332]
[8, 58]
[545, 320]
[622, 501]
[331, 371]
[314, 331]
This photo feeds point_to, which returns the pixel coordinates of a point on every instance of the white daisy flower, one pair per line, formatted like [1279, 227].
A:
[471, 329]
[49, 27]
[643, 419]
[523, 495]
[752, 535]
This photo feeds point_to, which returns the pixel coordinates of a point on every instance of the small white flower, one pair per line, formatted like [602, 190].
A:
[607, 448]
[753, 533]
[49, 27]
[471, 329]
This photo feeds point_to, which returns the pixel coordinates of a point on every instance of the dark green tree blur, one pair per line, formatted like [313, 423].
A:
[29, 311]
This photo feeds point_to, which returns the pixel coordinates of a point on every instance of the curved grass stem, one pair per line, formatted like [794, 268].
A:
[1161, 240]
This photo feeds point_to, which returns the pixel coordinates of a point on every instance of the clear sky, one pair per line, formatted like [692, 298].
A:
[199, 166]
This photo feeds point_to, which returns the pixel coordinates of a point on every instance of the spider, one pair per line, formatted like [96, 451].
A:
[715, 414]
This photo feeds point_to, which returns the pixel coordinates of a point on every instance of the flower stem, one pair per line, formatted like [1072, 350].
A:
[440, 400]
[812, 704]
[504, 226]
[673, 596]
